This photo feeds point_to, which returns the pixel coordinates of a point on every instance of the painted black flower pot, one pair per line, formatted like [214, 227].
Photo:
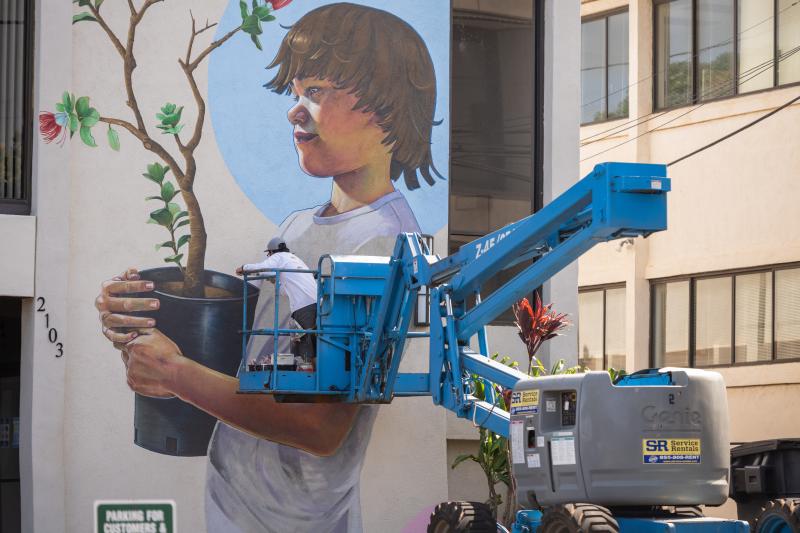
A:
[207, 331]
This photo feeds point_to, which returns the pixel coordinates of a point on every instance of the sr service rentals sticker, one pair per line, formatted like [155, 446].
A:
[526, 401]
[671, 451]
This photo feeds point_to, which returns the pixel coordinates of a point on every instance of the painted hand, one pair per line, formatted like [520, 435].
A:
[152, 360]
[117, 326]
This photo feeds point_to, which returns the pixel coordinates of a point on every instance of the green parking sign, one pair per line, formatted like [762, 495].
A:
[134, 516]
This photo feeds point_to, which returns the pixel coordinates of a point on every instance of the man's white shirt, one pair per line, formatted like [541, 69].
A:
[299, 287]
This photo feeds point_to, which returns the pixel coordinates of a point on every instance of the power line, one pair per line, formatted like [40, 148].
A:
[716, 91]
[735, 132]
[694, 56]
[657, 128]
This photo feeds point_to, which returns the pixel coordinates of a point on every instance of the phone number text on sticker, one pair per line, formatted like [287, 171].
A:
[526, 401]
[671, 451]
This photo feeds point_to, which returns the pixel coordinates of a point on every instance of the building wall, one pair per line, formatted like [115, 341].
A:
[87, 224]
[732, 206]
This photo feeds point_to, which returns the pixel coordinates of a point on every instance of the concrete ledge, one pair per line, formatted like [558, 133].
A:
[17, 255]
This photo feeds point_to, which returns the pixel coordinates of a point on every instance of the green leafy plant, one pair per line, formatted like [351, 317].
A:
[492, 454]
[170, 216]
[76, 115]
[170, 116]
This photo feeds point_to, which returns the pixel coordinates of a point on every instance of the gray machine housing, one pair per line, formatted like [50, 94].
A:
[585, 439]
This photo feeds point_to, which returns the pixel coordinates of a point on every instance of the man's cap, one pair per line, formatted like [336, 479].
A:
[276, 244]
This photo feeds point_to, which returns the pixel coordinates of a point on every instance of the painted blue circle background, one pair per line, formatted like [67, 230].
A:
[255, 137]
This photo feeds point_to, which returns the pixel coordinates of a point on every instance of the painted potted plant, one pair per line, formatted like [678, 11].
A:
[200, 310]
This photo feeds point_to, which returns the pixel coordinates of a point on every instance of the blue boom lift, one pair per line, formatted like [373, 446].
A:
[587, 454]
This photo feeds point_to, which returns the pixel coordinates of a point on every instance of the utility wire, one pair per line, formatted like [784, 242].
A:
[735, 132]
[694, 56]
[714, 92]
[660, 126]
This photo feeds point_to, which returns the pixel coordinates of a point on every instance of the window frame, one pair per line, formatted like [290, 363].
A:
[731, 273]
[604, 288]
[23, 206]
[605, 15]
[736, 33]
[537, 131]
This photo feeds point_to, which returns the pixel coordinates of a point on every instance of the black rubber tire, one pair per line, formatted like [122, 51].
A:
[689, 511]
[462, 517]
[786, 509]
[578, 518]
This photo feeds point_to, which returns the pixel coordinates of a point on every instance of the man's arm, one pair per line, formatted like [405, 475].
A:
[157, 368]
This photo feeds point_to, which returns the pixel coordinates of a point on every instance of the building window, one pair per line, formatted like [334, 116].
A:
[492, 117]
[724, 319]
[604, 68]
[601, 328]
[710, 49]
[16, 31]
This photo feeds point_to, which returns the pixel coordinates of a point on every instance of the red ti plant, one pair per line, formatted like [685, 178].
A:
[537, 324]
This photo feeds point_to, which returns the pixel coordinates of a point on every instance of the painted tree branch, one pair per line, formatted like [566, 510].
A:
[149, 144]
[106, 28]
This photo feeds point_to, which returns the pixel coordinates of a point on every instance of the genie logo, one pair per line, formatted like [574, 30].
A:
[671, 417]
[483, 247]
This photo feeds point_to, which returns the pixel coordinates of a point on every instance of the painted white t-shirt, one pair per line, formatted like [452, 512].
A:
[299, 287]
[256, 485]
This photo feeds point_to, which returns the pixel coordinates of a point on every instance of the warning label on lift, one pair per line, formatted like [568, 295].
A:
[671, 451]
[526, 401]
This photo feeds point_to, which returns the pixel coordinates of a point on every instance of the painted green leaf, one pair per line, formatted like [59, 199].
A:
[86, 137]
[168, 191]
[162, 216]
[181, 214]
[243, 8]
[97, 3]
[66, 99]
[183, 240]
[173, 258]
[152, 178]
[74, 123]
[83, 16]
[252, 25]
[181, 223]
[152, 197]
[173, 130]
[261, 11]
[113, 138]
[268, 18]
[151, 220]
[157, 172]
[81, 3]
[90, 119]
[165, 244]
[173, 209]
[60, 107]
[255, 4]
[173, 117]
[82, 106]
[256, 41]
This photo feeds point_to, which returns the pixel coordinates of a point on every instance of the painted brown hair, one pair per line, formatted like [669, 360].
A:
[381, 60]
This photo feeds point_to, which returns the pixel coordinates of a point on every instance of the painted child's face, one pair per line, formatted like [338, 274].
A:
[330, 137]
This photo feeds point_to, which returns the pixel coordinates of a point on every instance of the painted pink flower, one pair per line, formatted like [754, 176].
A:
[277, 4]
[52, 126]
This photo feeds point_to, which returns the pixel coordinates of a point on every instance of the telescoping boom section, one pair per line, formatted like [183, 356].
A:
[366, 304]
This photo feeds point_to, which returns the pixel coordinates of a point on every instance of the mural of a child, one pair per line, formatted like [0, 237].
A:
[365, 92]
